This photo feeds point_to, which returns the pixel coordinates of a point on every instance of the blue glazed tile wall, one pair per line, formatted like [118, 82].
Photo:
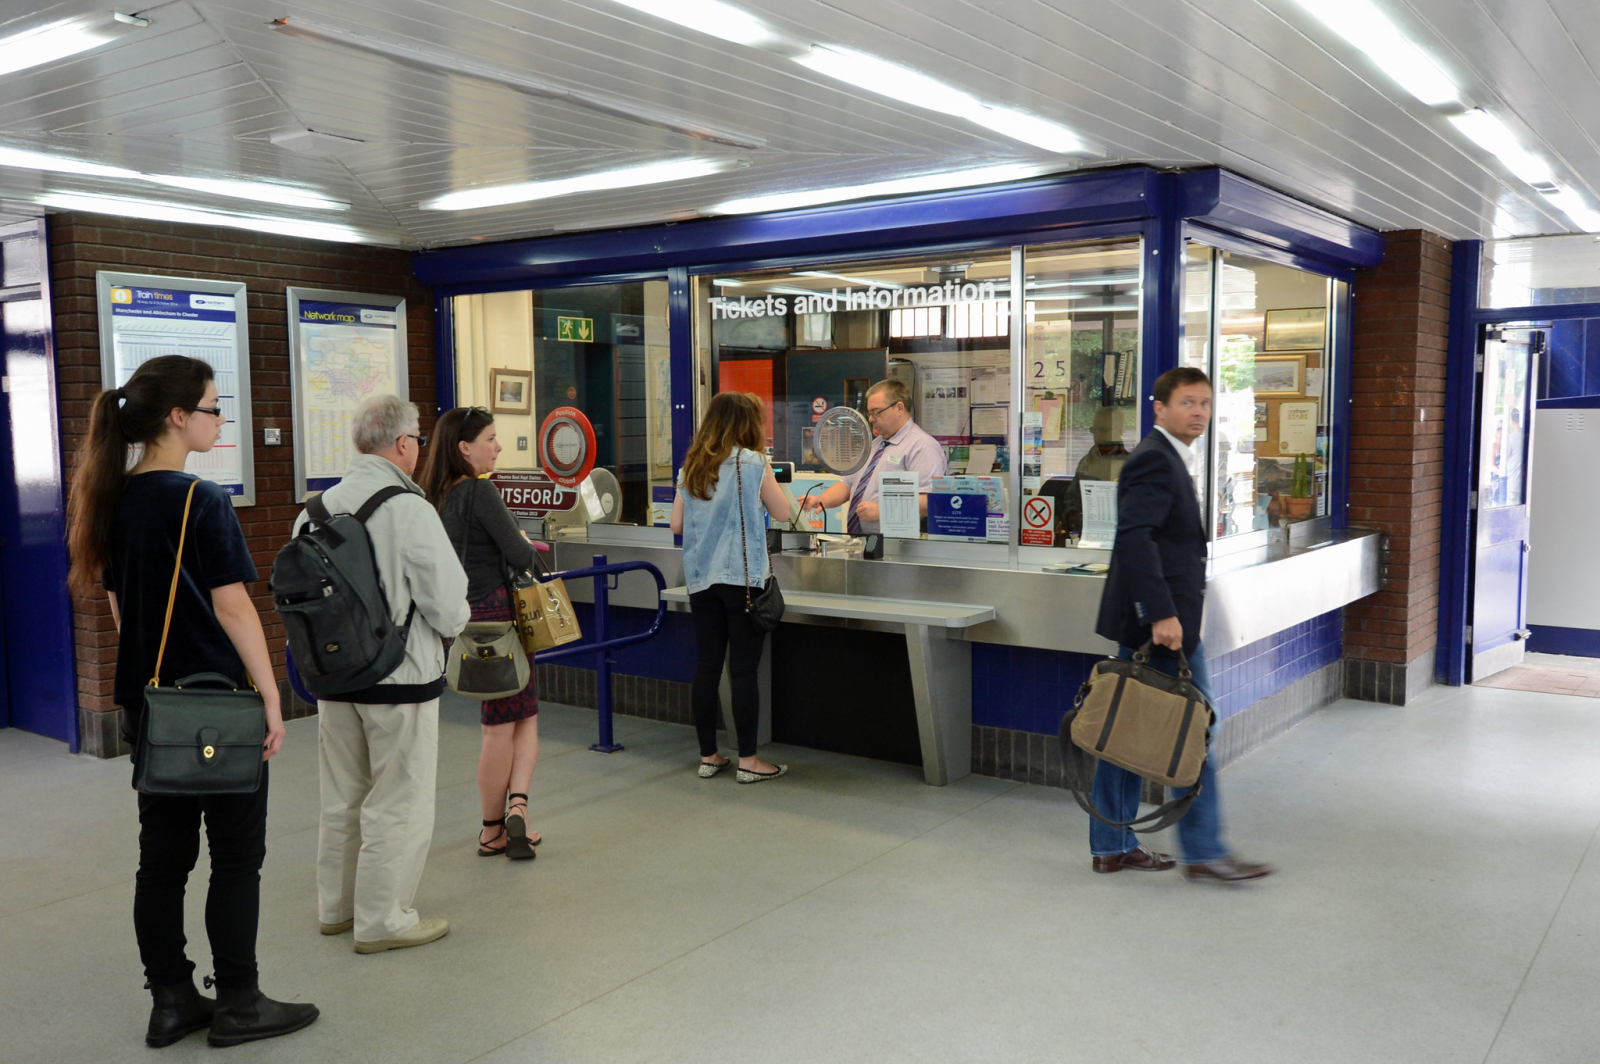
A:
[1029, 690]
[669, 656]
[1574, 358]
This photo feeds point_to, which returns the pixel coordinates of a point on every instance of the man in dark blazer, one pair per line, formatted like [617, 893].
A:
[1155, 592]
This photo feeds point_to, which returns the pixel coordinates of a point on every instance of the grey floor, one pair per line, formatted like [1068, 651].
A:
[1439, 880]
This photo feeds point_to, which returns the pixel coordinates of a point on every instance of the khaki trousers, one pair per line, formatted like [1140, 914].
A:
[378, 772]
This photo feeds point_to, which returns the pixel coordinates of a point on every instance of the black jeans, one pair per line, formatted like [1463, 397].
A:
[721, 630]
[169, 844]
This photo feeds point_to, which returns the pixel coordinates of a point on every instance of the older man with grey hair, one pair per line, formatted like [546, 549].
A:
[379, 747]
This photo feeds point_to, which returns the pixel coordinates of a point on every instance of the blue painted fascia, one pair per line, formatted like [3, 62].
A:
[1225, 201]
[1571, 402]
[992, 212]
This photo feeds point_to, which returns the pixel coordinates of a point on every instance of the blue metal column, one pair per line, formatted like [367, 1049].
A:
[1460, 444]
[444, 351]
[602, 669]
[1339, 405]
[1162, 295]
[680, 335]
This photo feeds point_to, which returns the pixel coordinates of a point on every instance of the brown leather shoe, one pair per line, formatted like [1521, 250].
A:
[1227, 870]
[1139, 859]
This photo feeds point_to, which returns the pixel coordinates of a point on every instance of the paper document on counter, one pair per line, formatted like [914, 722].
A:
[1099, 513]
[899, 514]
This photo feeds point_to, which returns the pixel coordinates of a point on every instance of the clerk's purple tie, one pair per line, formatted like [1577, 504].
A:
[854, 524]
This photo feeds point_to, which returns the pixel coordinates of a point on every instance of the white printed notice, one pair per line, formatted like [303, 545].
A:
[1099, 513]
[147, 321]
[899, 513]
[344, 351]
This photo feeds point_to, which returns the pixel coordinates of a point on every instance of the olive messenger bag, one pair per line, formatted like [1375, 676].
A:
[487, 660]
[203, 735]
[1137, 717]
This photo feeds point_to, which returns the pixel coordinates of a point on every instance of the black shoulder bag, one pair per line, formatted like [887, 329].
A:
[203, 735]
[765, 609]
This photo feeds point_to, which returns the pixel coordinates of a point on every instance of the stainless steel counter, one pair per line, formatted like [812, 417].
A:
[1249, 596]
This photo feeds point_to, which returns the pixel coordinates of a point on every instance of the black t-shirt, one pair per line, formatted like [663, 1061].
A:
[144, 545]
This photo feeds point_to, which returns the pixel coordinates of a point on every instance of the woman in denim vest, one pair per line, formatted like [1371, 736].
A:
[725, 563]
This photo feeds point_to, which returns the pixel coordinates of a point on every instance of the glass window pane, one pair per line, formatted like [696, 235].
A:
[807, 340]
[1504, 438]
[1541, 271]
[1271, 408]
[1080, 414]
[600, 348]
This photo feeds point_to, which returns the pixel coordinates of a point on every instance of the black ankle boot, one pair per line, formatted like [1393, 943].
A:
[245, 1014]
[178, 1011]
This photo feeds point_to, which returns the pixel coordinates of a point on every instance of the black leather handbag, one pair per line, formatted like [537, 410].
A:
[203, 735]
[765, 607]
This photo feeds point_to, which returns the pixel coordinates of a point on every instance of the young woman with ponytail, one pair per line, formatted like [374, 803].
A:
[123, 530]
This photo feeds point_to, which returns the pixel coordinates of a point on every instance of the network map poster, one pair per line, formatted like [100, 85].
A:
[343, 347]
[143, 316]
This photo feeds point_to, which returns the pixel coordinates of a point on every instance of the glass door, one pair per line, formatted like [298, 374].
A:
[1498, 612]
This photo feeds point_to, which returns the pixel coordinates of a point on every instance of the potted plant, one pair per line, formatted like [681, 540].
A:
[1299, 503]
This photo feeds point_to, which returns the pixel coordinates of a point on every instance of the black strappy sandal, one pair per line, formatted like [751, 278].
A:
[484, 849]
[518, 848]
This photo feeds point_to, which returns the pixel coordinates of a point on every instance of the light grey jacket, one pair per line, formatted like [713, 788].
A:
[416, 564]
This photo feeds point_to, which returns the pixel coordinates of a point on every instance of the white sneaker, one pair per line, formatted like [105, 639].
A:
[428, 929]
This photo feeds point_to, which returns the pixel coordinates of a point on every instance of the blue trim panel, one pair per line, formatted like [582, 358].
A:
[1239, 245]
[963, 214]
[1340, 409]
[1222, 200]
[680, 332]
[1553, 312]
[1572, 402]
[444, 351]
[1460, 445]
[1573, 642]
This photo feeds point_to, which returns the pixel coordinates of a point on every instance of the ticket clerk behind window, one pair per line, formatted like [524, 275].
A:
[900, 445]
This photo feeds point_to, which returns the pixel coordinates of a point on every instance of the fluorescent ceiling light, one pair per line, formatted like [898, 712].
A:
[1491, 134]
[913, 87]
[260, 191]
[46, 44]
[710, 16]
[266, 192]
[1363, 25]
[628, 177]
[31, 160]
[1572, 205]
[782, 201]
[454, 63]
[154, 210]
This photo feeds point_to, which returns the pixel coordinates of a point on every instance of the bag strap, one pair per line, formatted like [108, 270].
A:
[466, 522]
[379, 497]
[172, 594]
[1159, 819]
[744, 544]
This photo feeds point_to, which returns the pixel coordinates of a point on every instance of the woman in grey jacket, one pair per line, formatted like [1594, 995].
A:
[489, 541]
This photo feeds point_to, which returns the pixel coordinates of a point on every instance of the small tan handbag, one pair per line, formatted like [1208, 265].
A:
[1139, 718]
[544, 612]
[487, 661]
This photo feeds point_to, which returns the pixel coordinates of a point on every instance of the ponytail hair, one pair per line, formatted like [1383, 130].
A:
[121, 418]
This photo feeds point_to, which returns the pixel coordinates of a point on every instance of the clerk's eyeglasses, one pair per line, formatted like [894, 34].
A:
[873, 415]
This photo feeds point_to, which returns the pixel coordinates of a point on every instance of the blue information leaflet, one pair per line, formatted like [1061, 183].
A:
[953, 516]
[147, 322]
[345, 353]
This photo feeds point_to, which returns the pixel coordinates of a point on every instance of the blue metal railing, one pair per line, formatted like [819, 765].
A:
[604, 574]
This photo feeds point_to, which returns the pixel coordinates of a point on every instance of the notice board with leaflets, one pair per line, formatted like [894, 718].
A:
[144, 316]
[343, 347]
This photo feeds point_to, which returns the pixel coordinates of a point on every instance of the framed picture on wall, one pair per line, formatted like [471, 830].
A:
[1297, 329]
[1279, 376]
[510, 391]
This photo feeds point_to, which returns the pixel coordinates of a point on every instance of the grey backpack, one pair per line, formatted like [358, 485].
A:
[326, 587]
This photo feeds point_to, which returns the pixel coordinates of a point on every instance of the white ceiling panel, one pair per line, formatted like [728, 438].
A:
[1259, 86]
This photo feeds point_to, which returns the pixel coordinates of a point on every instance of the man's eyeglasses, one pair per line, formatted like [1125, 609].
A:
[420, 437]
[214, 411]
[873, 415]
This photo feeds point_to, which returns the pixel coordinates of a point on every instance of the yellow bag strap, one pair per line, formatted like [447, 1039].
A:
[172, 595]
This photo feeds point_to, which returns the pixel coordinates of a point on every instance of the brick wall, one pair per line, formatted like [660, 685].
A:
[81, 244]
[1401, 328]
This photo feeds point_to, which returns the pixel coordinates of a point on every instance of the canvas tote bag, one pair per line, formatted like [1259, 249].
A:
[545, 618]
[1139, 718]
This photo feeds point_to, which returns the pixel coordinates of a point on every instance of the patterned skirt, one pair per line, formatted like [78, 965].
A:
[496, 606]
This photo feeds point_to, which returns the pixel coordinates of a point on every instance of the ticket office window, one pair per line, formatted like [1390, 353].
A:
[600, 348]
[807, 340]
[1271, 366]
[1081, 388]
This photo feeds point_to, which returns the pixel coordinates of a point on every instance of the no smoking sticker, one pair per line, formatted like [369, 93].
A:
[1038, 522]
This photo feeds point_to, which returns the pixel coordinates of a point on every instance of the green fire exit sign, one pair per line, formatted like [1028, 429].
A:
[578, 330]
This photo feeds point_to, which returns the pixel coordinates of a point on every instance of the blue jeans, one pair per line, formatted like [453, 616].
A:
[1116, 790]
